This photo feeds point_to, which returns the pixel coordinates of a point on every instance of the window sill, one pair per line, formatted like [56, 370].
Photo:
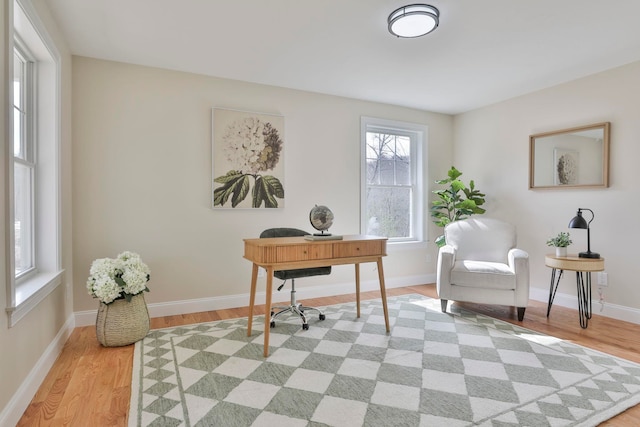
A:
[31, 292]
[407, 245]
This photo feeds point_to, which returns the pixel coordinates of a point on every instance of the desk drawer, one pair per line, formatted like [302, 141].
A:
[303, 252]
[355, 249]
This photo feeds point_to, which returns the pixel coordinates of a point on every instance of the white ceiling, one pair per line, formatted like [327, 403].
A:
[484, 51]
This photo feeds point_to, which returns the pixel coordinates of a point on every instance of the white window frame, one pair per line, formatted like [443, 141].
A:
[418, 135]
[28, 148]
[27, 291]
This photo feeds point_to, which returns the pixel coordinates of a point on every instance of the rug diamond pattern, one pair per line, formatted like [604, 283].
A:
[433, 369]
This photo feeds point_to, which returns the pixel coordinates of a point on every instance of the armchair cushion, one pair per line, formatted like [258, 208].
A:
[482, 274]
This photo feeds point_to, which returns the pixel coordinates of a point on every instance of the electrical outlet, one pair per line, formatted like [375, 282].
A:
[603, 279]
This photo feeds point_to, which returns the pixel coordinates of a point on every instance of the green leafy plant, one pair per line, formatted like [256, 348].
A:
[562, 240]
[455, 202]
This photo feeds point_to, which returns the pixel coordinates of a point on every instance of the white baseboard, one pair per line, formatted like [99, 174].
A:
[86, 318]
[618, 312]
[12, 413]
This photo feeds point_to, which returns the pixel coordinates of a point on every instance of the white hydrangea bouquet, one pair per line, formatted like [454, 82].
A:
[120, 278]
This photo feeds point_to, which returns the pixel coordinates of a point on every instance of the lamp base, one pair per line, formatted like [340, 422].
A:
[588, 254]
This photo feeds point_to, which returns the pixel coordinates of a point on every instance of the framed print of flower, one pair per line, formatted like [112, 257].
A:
[248, 164]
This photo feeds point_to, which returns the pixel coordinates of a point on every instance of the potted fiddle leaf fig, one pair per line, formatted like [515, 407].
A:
[455, 202]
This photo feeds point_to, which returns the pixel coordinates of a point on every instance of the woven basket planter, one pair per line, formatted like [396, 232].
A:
[122, 322]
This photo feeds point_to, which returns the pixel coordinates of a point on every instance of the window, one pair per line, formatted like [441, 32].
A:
[33, 168]
[391, 196]
[23, 159]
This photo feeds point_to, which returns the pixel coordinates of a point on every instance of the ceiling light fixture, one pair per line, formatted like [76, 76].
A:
[413, 20]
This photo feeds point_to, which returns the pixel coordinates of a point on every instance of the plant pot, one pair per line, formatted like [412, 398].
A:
[122, 322]
[561, 252]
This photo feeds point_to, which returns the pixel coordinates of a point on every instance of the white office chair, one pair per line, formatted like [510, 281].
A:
[480, 263]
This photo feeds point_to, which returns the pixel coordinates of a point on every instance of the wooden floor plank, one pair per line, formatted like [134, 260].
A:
[90, 385]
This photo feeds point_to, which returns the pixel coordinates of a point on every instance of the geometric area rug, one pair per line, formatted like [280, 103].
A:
[433, 369]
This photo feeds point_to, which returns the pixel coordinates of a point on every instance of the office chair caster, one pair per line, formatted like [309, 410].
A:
[322, 316]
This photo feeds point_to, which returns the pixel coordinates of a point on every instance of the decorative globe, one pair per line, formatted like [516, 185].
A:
[321, 219]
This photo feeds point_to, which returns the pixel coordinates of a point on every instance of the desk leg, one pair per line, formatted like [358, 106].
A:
[357, 290]
[584, 297]
[252, 297]
[267, 317]
[383, 293]
[552, 288]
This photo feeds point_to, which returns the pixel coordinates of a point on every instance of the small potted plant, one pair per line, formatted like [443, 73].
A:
[560, 242]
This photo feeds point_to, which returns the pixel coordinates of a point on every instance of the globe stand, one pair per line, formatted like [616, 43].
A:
[322, 234]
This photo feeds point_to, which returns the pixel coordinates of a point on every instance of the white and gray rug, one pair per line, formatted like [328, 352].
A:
[433, 369]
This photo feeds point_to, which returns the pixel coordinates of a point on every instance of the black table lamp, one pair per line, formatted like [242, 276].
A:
[579, 222]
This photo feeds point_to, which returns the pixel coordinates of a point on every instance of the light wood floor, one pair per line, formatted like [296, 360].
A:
[90, 385]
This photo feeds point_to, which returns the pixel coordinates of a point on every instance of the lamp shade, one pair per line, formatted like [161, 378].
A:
[578, 221]
[413, 20]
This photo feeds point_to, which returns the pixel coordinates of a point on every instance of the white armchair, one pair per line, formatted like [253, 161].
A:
[480, 263]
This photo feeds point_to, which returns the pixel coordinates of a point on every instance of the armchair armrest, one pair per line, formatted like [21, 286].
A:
[518, 260]
[519, 263]
[446, 259]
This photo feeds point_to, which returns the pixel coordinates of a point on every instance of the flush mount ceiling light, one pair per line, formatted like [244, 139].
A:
[413, 20]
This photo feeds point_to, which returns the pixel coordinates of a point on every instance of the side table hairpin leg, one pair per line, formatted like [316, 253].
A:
[554, 287]
[584, 294]
[584, 297]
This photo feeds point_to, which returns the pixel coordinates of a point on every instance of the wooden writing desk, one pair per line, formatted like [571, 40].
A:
[289, 253]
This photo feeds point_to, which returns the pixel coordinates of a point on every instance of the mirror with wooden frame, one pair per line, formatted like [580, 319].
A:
[570, 158]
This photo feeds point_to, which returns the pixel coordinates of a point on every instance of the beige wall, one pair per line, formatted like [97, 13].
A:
[142, 176]
[24, 345]
[491, 146]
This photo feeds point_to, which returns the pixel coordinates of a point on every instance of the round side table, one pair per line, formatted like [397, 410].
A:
[583, 268]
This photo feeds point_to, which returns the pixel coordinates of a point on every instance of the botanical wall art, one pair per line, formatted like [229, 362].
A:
[248, 164]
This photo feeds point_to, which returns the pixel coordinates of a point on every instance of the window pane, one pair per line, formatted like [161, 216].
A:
[388, 159]
[17, 133]
[389, 211]
[18, 77]
[18, 105]
[23, 218]
[402, 162]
